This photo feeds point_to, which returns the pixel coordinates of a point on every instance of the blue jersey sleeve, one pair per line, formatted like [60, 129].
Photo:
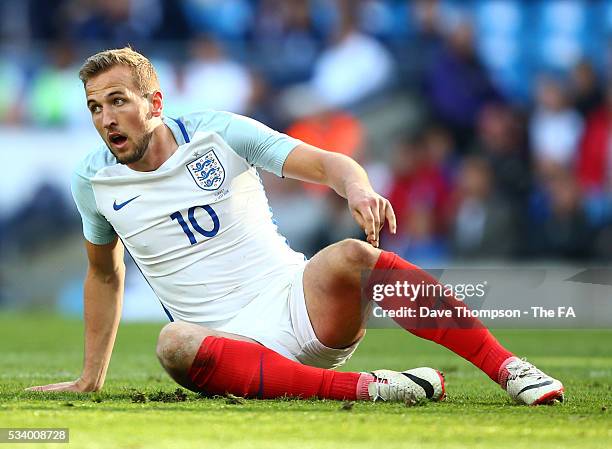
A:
[96, 229]
[258, 144]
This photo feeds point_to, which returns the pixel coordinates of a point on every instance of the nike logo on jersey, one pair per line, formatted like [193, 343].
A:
[121, 205]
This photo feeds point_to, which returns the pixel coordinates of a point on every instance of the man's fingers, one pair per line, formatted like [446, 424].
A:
[382, 206]
[370, 228]
[62, 386]
[390, 216]
[378, 217]
[42, 388]
[364, 217]
[49, 387]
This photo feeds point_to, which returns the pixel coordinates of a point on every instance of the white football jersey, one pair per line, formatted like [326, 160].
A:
[199, 227]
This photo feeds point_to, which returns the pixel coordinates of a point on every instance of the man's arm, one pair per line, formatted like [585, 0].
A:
[103, 298]
[349, 180]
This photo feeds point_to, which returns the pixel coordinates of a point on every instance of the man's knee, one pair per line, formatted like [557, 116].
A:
[177, 346]
[358, 254]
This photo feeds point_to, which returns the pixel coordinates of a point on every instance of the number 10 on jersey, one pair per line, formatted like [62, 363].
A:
[194, 223]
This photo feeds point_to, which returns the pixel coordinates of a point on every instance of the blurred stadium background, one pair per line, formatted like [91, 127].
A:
[486, 123]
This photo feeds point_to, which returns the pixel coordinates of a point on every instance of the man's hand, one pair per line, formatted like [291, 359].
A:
[76, 385]
[371, 211]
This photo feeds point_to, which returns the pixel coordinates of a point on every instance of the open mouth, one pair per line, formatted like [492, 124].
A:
[117, 139]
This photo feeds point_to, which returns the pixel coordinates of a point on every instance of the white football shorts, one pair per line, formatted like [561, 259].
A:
[278, 319]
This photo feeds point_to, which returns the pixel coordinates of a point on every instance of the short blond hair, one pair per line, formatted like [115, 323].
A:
[144, 74]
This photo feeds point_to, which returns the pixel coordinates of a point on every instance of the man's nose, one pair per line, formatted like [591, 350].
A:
[108, 119]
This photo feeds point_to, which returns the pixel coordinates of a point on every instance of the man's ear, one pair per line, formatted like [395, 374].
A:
[157, 103]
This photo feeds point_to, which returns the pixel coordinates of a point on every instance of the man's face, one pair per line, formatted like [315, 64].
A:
[121, 115]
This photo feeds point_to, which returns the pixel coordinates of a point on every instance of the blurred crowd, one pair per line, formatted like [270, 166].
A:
[489, 145]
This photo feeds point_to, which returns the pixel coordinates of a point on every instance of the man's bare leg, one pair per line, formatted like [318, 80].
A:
[332, 289]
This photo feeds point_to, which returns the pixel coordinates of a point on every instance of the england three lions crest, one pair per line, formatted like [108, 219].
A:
[207, 171]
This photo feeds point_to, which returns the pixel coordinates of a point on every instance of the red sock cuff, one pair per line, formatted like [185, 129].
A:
[365, 379]
[386, 259]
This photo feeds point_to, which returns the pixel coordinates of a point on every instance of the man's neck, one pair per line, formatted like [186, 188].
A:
[161, 146]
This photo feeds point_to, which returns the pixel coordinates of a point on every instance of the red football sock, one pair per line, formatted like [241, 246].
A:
[467, 336]
[250, 370]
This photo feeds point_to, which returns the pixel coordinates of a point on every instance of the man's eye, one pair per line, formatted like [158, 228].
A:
[95, 109]
[118, 101]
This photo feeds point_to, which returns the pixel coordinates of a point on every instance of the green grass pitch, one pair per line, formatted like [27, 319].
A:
[477, 414]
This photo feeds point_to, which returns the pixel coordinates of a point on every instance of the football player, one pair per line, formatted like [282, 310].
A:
[249, 316]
